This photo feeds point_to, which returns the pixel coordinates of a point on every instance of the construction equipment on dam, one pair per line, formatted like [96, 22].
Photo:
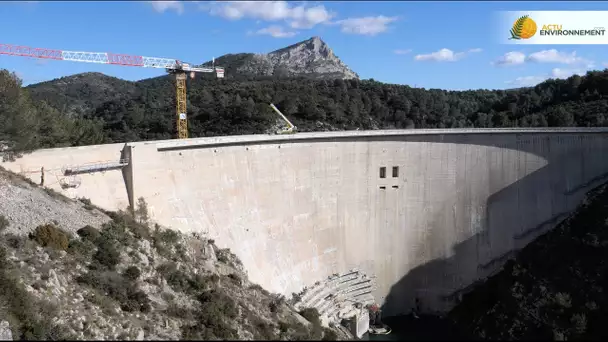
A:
[290, 129]
[172, 66]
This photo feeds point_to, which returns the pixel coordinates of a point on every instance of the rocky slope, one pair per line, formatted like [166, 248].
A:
[114, 277]
[311, 58]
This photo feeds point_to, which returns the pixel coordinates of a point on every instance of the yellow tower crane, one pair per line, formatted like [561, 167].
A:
[172, 66]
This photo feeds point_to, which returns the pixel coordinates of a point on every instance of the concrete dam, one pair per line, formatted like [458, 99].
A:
[424, 213]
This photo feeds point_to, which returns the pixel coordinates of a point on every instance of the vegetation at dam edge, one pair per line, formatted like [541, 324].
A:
[127, 280]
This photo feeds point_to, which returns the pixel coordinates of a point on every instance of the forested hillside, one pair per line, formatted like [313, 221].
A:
[94, 108]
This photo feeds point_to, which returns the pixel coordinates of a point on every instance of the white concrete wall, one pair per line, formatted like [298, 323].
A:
[298, 208]
[105, 189]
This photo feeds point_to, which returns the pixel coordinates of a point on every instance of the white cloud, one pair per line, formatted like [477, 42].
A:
[402, 52]
[565, 73]
[545, 56]
[528, 81]
[511, 58]
[554, 56]
[443, 55]
[367, 26]
[163, 6]
[297, 16]
[276, 32]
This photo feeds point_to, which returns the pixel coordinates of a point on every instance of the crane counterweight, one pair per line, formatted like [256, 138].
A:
[172, 66]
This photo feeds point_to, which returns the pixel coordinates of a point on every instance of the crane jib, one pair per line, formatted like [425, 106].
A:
[26, 51]
[89, 57]
[104, 58]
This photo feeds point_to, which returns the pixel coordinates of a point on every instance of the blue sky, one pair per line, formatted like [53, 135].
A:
[448, 45]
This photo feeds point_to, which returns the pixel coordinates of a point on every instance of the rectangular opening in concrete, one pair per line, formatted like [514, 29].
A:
[395, 186]
[382, 188]
[382, 172]
[395, 171]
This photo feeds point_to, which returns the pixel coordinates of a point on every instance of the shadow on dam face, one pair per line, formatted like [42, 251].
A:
[515, 215]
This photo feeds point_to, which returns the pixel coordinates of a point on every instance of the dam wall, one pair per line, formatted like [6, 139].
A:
[424, 212]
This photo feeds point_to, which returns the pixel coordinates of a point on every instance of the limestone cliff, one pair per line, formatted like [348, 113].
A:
[311, 58]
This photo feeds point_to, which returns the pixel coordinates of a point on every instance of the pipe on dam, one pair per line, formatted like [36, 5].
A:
[426, 213]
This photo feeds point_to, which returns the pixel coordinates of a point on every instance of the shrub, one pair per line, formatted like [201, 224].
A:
[255, 287]
[329, 335]
[118, 288]
[167, 237]
[3, 262]
[216, 308]
[138, 230]
[312, 315]
[87, 203]
[283, 326]
[50, 236]
[163, 240]
[80, 248]
[15, 241]
[137, 300]
[276, 303]
[85, 200]
[563, 299]
[235, 279]
[107, 254]
[142, 211]
[579, 322]
[132, 273]
[88, 233]
[54, 194]
[3, 223]
[180, 281]
[216, 302]
[293, 331]
[222, 256]
[174, 310]
[213, 278]
[296, 297]
[264, 330]
[116, 232]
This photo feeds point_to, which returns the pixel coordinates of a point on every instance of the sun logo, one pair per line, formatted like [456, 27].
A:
[523, 28]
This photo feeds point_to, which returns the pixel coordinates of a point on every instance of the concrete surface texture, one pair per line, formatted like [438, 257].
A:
[452, 207]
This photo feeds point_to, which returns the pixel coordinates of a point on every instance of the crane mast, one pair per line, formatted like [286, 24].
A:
[172, 66]
[180, 103]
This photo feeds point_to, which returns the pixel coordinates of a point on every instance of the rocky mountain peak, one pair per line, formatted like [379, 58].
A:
[311, 58]
[313, 46]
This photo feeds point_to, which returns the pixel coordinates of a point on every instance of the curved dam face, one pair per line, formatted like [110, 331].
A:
[425, 212]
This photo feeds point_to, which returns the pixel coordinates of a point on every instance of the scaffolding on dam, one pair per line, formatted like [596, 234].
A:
[94, 167]
[67, 176]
